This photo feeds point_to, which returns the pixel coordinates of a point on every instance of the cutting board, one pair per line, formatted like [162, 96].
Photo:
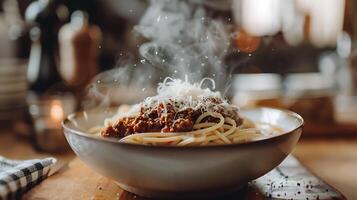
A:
[290, 180]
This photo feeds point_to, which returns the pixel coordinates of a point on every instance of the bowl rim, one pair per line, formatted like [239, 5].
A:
[268, 140]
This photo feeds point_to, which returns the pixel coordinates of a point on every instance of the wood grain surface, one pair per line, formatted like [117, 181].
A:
[288, 181]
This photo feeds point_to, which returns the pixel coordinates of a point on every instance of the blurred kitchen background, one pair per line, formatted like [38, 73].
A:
[293, 54]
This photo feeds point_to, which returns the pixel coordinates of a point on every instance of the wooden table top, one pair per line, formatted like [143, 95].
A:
[333, 160]
[287, 181]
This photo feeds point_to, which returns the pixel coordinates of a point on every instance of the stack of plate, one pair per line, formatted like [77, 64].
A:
[13, 88]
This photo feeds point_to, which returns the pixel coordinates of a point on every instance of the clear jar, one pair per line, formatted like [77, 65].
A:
[263, 89]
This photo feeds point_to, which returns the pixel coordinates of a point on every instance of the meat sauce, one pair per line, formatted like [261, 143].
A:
[162, 118]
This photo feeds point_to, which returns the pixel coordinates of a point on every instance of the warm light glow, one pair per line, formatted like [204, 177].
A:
[323, 19]
[326, 20]
[56, 111]
[261, 17]
[246, 42]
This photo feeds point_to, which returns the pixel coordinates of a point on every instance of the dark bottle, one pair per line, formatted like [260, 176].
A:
[42, 69]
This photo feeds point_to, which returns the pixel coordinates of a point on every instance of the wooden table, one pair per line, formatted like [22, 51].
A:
[334, 160]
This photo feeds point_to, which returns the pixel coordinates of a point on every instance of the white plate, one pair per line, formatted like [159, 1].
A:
[6, 79]
[12, 67]
[13, 88]
[14, 99]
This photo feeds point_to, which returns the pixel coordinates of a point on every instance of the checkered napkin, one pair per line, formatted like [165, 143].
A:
[18, 176]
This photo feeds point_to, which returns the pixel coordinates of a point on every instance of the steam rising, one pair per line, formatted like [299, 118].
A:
[182, 42]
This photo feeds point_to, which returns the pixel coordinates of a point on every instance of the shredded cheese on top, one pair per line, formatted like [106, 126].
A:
[183, 95]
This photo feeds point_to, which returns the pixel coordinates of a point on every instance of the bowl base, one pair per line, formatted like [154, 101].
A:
[207, 194]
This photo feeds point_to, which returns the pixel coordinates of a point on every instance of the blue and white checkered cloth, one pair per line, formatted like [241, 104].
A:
[18, 176]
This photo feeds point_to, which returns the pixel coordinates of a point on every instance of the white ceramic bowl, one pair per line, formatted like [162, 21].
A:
[182, 171]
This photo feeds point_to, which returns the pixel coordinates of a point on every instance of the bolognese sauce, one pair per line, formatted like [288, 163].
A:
[165, 117]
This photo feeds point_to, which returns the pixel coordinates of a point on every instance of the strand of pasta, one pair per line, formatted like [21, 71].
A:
[223, 136]
[223, 132]
[153, 137]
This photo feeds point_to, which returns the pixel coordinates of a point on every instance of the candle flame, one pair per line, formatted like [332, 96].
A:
[56, 111]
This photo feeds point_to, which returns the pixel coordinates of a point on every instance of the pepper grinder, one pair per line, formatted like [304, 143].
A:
[42, 73]
[79, 44]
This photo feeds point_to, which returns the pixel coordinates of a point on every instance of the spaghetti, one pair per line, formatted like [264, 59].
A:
[182, 114]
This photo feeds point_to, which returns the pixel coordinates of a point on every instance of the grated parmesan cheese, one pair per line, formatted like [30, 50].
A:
[184, 95]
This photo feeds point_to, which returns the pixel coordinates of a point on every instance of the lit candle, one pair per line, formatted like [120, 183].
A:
[47, 115]
[56, 112]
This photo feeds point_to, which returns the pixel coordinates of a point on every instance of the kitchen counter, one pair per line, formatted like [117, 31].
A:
[333, 160]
